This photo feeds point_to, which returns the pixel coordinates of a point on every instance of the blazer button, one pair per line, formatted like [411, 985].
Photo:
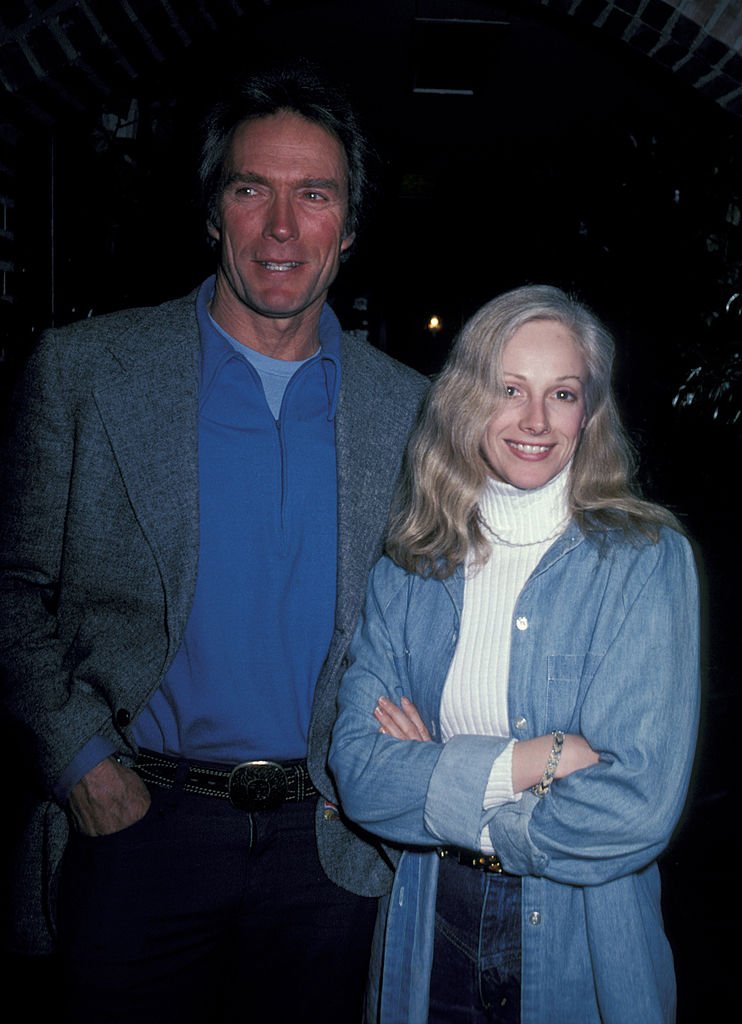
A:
[123, 718]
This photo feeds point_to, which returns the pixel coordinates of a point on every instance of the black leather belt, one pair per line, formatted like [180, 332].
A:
[250, 786]
[472, 859]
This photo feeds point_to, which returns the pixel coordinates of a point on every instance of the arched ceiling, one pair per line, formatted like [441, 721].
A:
[65, 55]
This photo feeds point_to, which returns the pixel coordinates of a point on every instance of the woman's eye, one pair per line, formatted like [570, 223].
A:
[511, 390]
[566, 396]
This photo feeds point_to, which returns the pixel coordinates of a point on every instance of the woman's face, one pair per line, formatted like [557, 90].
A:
[535, 432]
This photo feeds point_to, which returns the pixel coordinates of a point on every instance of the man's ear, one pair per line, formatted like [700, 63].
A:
[213, 230]
[347, 241]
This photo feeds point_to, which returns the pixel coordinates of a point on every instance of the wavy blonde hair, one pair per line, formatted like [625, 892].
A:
[435, 524]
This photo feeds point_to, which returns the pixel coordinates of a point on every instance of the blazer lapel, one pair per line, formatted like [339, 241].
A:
[150, 411]
[363, 491]
[370, 432]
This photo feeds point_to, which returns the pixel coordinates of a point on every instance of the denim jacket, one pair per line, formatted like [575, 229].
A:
[605, 643]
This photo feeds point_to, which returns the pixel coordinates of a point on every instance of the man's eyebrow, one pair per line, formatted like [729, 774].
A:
[248, 177]
[329, 184]
[253, 178]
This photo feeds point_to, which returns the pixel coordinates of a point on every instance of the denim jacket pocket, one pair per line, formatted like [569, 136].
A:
[566, 676]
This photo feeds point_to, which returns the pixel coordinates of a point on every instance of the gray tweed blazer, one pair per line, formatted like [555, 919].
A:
[98, 558]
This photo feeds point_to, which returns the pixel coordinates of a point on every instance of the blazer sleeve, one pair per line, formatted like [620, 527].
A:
[56, 717]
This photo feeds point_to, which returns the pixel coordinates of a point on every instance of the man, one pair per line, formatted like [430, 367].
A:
[195, 495]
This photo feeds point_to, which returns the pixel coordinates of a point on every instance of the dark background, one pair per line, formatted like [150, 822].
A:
[518, 142]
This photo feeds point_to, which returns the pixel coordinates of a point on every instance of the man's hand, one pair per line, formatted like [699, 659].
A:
[108, 799]
[403, 722]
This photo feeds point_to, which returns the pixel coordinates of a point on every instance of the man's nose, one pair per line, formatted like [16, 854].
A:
[281, 222]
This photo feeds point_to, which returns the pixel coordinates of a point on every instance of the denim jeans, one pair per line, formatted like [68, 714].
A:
[476, 960]
[204, 914]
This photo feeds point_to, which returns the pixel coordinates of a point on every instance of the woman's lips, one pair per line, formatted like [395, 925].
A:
[528, 450]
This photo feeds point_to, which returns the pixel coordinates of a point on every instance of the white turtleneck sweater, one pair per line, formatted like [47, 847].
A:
[523, 525]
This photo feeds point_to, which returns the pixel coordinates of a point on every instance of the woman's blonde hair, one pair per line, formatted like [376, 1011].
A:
[435, 523]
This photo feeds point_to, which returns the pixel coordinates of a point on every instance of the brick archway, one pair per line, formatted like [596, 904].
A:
[58, 54]
[700, 41]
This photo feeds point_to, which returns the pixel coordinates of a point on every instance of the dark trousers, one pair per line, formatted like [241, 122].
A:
[476, 960]
[203, 913]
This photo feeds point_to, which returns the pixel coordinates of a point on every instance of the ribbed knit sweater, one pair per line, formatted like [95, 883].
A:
[523, 524]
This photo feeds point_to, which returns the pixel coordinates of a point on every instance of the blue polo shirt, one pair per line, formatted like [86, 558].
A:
[242, 683]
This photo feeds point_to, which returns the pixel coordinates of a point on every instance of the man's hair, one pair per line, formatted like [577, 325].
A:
[435, 523]
[298, 88]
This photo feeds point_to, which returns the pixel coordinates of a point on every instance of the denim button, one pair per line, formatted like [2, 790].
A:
[534, 917]
[521, 722]
[521, 623]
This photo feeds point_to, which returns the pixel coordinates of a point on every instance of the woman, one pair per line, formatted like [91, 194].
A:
[520, 712]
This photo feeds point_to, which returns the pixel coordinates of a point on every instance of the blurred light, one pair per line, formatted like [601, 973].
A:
[434, 324]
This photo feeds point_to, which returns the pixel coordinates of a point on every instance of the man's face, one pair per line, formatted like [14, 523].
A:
[282, 218]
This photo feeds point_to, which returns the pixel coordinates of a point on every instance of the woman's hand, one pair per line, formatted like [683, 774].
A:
[403, 722]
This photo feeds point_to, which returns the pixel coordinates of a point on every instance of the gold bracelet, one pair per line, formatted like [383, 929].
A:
[552, 762]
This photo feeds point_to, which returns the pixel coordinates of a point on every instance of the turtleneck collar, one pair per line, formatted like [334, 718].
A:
[519, 517]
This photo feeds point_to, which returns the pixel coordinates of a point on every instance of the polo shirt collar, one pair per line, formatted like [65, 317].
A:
[216, 349]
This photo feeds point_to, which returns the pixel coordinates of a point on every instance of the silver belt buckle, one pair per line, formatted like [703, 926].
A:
[257, 786]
